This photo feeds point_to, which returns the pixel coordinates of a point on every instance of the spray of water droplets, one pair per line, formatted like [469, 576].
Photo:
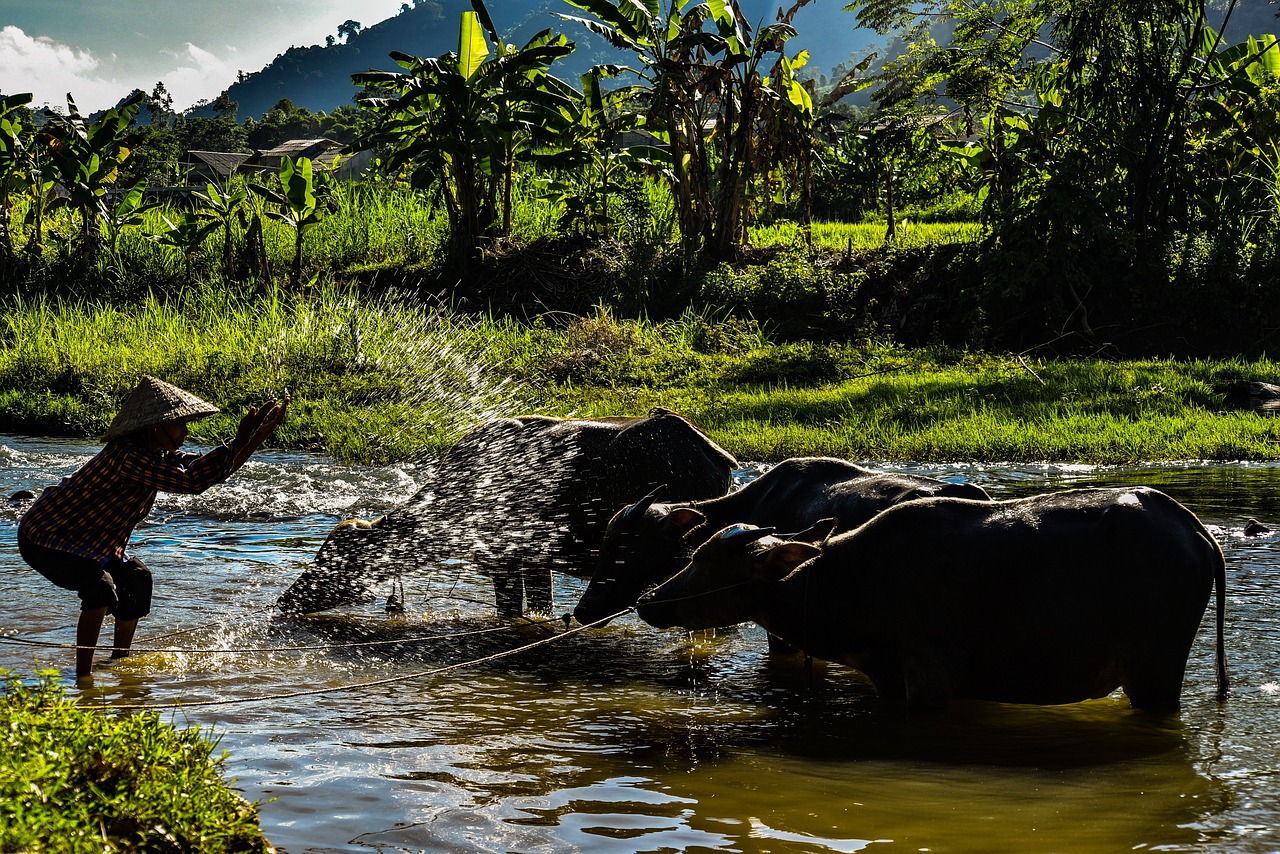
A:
[434, 366]
[515, 499]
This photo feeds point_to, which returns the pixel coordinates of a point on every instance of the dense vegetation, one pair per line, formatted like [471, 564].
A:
[73, 780]
[699, 225]
[533, 210]
[1122, 168]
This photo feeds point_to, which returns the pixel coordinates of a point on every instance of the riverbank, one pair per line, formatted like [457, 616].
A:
[78, 780]
[391, 379]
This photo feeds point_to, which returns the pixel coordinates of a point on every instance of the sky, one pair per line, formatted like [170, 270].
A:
[101, 50]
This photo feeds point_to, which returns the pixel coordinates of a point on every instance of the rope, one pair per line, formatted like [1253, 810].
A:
[374, 683]
[296, 648]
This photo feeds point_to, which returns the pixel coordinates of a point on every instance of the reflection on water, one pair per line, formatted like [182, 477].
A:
[626, 739]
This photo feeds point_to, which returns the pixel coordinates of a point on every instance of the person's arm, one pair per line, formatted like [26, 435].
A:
[190, 474]
[176, 471]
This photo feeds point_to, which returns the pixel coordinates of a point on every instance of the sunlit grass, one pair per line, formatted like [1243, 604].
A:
[78, 780]
[844, 236]
[384, 380]
[369, 380]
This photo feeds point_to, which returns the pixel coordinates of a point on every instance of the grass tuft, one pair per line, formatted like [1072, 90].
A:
[72, 779]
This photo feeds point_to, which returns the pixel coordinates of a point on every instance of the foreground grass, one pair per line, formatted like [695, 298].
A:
[72, 779]
[384, 381]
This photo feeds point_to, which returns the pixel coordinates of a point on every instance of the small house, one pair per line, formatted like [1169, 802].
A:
[323, 153]
[212, 165]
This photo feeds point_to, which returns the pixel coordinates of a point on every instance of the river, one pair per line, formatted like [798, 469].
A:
[351, 737]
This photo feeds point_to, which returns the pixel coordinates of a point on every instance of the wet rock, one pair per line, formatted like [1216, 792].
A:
[1248, 394]
[1254, 528]
[22, 495]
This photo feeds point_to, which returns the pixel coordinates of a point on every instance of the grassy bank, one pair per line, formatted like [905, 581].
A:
[384, 380]
[77, 780]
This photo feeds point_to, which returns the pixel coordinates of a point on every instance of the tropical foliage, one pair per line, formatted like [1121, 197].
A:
[458, 123]
[1108, 137]
[1121, 159]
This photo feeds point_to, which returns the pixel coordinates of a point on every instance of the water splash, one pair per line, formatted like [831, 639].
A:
[518, 498]
[435, 366]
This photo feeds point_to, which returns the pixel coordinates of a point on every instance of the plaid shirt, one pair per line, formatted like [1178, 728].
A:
[93, 511]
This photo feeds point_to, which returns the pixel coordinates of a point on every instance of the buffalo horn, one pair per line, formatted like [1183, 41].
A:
[816, 532]
[742, 533]
[643, 504]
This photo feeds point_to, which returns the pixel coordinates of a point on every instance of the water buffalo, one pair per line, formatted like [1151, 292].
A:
[647, 542]
[517, 497]
[1051, 599]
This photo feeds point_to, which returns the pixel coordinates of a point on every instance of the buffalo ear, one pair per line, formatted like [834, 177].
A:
[783, 559]
[352, 527]
[682, 520]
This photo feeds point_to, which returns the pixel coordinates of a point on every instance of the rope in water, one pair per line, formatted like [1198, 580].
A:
[295, 648]
[356, 686]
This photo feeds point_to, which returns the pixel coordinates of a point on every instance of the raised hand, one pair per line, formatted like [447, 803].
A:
[256, 427]
[251, 422]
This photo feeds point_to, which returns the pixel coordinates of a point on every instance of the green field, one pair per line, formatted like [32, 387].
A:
[383, 380]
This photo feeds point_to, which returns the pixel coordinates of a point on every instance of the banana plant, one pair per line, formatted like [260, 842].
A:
[224, 204]
[187, 234]
[458, 121]
[42, 199]
[704, 70]
[586, 157]
[14, 170]
[128, 209]
[86, 158]
[300, 203]
[1236, 132]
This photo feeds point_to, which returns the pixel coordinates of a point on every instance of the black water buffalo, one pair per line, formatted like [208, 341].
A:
[647, 542]
[1051, 599]
[517, 497]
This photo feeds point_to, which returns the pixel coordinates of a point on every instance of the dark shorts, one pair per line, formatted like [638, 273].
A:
[122, 587]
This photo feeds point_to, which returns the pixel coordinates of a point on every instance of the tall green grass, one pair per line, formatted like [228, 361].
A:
[863, 236]
[369, 380]
[877, 402]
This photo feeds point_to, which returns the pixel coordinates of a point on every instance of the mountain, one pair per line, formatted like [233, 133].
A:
[319, 77]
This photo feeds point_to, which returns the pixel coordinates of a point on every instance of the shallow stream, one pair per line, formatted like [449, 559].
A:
[627, 739]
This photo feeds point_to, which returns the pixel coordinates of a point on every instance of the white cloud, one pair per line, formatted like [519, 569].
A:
[198, 74]
[50, 70]
[101, 51]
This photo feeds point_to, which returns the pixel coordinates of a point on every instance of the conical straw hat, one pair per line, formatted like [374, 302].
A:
[155, 402]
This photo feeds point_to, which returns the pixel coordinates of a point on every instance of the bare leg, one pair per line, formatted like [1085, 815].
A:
[777, 646]
[87, 631]
[124, 637]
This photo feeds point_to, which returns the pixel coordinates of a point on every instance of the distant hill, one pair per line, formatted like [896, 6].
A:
[319, 77]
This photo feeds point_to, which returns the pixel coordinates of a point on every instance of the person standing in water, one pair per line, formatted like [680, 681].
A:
[76, 533]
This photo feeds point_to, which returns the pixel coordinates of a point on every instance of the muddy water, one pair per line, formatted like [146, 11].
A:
[630, 740]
